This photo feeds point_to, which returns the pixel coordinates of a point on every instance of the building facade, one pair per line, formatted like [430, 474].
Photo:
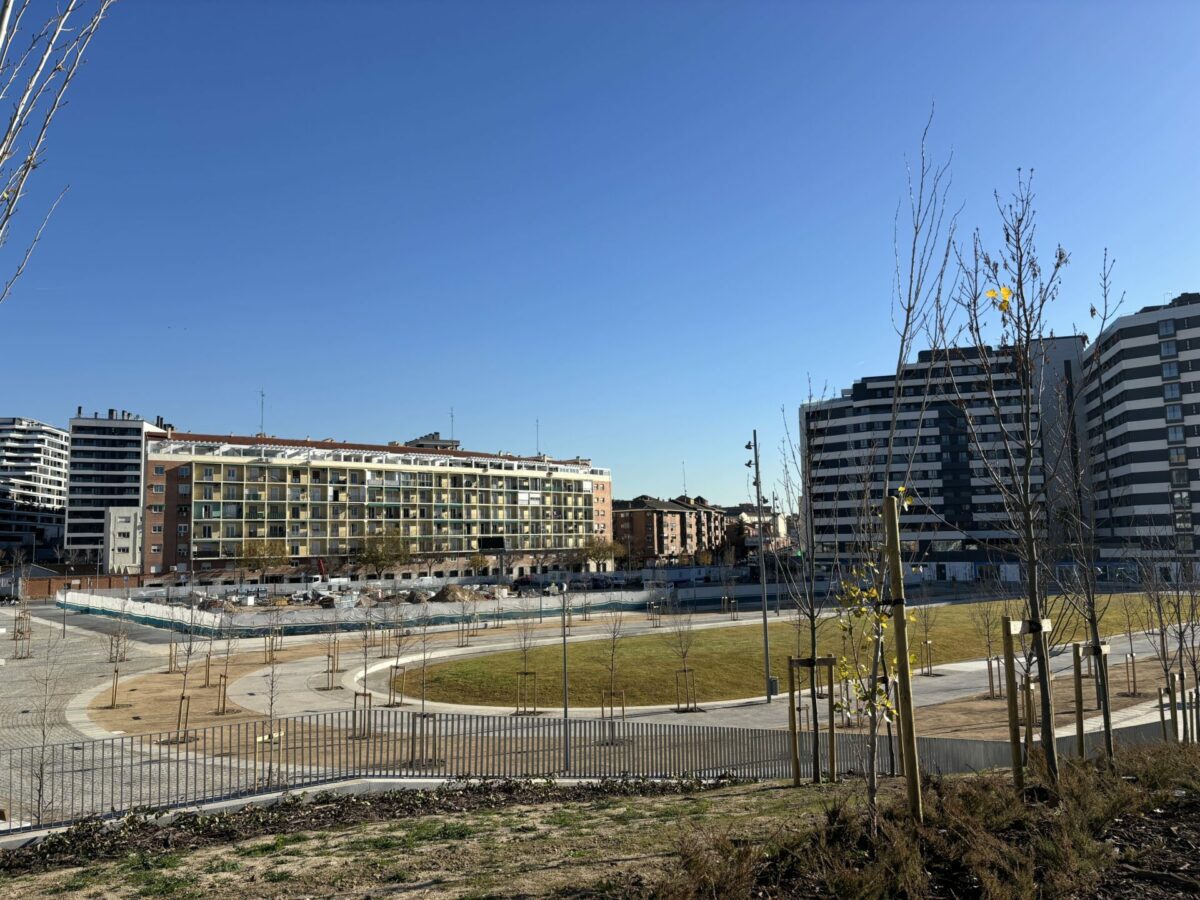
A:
[206, 497]
[107, 456]
[1142, 407]
[949, 446]
[33, 486]
[655, 531]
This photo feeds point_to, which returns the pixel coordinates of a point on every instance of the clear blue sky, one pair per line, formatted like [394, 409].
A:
[645, 224]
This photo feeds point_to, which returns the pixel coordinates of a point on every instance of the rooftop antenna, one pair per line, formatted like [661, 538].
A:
[684, 465]
[262, 420]
[452, 423]
[537, 427]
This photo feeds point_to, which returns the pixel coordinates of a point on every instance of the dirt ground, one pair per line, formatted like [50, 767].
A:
[987, 719]
[532, 851]
[149, 702]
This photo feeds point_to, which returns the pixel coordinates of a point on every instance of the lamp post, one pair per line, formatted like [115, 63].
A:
[752, 444]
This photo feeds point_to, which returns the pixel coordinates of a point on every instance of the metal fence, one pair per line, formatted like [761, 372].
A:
[61, 783]
[56, 784]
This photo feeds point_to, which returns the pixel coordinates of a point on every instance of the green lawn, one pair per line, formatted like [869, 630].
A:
[727, 662]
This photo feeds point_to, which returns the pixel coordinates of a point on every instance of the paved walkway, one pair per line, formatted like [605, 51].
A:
[300, 685]
[59, 671]
[64, 674]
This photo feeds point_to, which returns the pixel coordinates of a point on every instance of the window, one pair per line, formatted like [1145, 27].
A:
[156, 529]
[1167, 349]
[181, 530]
[157, 509]
[1166, 328]
[1177, 456]
[123, 534]
[156, 548]
[160, 488]
[1179, 478]
[185, 490]
[185, 471]
[1170, 370]
[1174, 412]
[1175, 434]
[1171, 391]
[159, 470]
[1181, 499]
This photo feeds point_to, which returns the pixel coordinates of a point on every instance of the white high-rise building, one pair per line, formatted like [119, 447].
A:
[106, 474]
[1143, 422]
[33, 485]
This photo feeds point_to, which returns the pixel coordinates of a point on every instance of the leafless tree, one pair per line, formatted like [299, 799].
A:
[680, 633]
[1076, 519]
[42, 47]
[614, 632]
[526, 628]
[1014, 288]
[423, 623]
[46, 678]
[985, 619]
[927, 615]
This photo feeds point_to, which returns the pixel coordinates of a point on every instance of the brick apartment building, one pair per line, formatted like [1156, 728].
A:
[660, 531]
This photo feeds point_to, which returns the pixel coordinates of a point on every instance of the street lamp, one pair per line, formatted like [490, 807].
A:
[752, 444]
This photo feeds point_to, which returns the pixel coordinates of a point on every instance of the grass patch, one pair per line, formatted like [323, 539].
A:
[727, 661]
[277, 845]
[217, 866]
[410, 837]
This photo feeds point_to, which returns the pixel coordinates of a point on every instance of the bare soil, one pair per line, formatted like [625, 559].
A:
[499, 849]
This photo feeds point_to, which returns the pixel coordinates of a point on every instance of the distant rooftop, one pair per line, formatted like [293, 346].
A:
[268, 445]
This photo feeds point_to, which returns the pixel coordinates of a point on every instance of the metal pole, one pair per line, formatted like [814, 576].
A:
[908, 736]
[762, 570]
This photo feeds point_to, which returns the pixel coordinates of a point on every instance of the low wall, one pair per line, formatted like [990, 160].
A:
[249, 622]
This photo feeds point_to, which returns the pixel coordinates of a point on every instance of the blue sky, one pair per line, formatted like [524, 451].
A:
[644, 224]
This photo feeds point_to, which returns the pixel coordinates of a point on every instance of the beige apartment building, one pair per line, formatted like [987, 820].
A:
[207, 496]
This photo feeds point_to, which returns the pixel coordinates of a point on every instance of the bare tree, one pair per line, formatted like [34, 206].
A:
[614, 631]
[424, 621]
[44, 700]
[985, 619]
[680, 636]
[1013, 450]
[41, 50]
[1076, 519]
[927, 615]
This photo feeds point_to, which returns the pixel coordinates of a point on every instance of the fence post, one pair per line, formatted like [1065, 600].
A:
[793, 738]
[1162, 714]
[1077, 660]
[1174, 711]
[1010, 691]
[908, 736]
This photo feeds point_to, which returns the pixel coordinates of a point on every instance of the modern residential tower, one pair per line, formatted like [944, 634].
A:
[33, 486]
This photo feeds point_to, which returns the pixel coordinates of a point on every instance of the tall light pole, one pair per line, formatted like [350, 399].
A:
[762, 560]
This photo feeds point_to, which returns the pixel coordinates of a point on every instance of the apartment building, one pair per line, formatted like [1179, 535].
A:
[205, 497]
[746, 531]
[948, 434]
[1142, 406]
[33, 486]
[105, 476]
[659, 531]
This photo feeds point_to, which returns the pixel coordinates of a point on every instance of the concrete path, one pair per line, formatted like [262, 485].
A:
[300, 684]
